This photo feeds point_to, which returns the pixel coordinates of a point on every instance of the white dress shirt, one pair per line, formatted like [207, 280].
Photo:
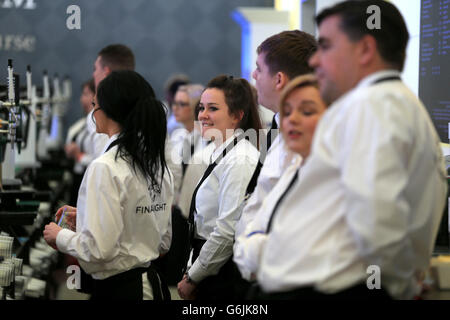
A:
[278, 158]
[371, 193]
[77, 134]
[75, 129]
[94, 142]
[249, 244]
[181, 141]
[217, 203]
[122, 222]
[194, 172]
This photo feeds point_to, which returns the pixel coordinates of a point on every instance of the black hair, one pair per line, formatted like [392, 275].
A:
[239, 97]
[392, 36]
[128, 99]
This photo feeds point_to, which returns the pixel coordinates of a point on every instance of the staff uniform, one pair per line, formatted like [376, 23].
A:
[122, 221]
[194, 172]
[173, 163]
[217, 204]
[278, 158]
[372, 193]
[184, 144]
[77, 134]
[248, 246]
[93, 143]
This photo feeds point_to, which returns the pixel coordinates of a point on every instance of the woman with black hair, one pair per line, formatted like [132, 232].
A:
[123, 209]
[228, 113]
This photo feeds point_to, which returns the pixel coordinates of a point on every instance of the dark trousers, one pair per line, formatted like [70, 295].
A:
[218, 287]
[173, 263]
[241, 286]
[357, 292]
[123, 286]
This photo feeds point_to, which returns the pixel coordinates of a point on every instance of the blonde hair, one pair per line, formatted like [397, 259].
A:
[307, 80]
[193, 91]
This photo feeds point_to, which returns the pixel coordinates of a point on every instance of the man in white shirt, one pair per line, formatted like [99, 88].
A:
[281, 58]
[362, 218]
[111, 58]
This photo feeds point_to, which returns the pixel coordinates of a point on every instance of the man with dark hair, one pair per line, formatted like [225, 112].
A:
[281, 58]
[111, 58]
[361, 220]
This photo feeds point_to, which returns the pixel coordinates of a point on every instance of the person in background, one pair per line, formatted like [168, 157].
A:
[75, 141]
[185, 141]
[123, 209]
[226, 105]
[188, 139]
[110, 58]
[170, 88]
[361, 220]
[301, 108]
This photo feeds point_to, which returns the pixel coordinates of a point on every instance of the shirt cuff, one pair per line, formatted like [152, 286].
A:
[197, 273]
[63, 238]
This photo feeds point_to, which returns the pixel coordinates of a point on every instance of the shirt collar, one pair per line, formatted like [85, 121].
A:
[371, 78]
[277, 119]
[218, 151]
[111, 140]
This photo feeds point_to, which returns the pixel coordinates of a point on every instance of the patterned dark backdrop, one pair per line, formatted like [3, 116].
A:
[195, 37]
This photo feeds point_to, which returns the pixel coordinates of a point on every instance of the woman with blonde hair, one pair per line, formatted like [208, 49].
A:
[301, 107]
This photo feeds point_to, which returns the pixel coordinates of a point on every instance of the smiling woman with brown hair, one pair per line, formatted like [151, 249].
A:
[226, 105]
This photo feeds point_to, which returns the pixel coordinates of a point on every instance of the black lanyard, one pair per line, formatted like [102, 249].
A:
[114, 143]
[205, 175]
[388, 78]
[295, 177]
[252, 184]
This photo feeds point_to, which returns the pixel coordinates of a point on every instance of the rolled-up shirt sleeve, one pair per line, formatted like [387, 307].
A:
[99, 221]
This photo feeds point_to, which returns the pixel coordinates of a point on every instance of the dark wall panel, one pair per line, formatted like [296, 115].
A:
[196, 37]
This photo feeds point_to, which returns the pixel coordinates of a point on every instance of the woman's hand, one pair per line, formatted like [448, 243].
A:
[72, 150]
[50, 233]
[187, 290]
[70, 216]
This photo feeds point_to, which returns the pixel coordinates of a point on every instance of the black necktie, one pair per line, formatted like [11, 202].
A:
[274, 126]
[294, 178]
[252, 184]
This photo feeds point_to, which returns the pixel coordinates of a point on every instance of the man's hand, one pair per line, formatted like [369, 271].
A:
[187, 290]
[50, 233]
[70, 216]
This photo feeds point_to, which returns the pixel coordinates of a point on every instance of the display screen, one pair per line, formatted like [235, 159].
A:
[434, 75]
